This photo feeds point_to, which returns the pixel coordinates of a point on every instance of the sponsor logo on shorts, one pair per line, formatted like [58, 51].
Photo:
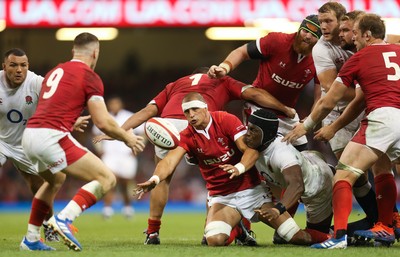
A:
[55, 164]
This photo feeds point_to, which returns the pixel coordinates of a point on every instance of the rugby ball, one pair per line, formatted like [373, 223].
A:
[162, 133]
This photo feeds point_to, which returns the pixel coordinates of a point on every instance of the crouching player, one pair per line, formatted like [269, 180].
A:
[304, 176]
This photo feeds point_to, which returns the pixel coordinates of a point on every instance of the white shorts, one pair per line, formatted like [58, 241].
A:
[344, 135]
[180, 125]
[245, 201]
[318, 206]
[122, 166]
[17, 156]
[380, 130]
[51, 149]
[285, 124]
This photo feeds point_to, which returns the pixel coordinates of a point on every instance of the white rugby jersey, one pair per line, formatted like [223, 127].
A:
[280, 155]
[115, 147]
[17, 106]
[328, 56]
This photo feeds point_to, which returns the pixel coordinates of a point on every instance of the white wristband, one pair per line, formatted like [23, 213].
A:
[309, 123]
[155, 178]
[240, 168]
[225, 67]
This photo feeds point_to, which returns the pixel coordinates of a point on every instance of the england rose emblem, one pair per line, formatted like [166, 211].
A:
[28, 99]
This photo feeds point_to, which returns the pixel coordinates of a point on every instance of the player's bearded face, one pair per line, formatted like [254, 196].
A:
[304, 42]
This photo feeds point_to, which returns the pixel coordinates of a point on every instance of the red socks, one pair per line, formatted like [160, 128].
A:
[386, 192]
[153, 226]
[342, 204]
[84, 199]
[39, 211]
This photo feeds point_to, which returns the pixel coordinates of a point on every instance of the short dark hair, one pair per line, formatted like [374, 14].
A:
[84, 39]
[352, 16]
[14, 51]
[374, 23]
[203, 70]
[338, 8]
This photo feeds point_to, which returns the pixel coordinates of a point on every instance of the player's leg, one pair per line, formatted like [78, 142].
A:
[41, 206]
[158, 201]
[220, 221]
[28, 171]
[386, 191]
[100, 181]
[127, 210]
[286, 227]
[362, 189]
[355, 159]
[108, 210]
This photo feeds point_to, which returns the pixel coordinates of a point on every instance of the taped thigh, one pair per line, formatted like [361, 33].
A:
[356, 171]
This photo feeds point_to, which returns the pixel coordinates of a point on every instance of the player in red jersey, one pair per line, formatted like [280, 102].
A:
[376, 66]
[215, 139]
[67, 90]
[286, 67]
[217, 93]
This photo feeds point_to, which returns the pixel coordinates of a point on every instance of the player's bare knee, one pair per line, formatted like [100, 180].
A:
[217, 232]
[59, 179]
[217, 240]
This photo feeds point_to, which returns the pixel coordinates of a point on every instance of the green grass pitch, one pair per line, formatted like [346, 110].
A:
[180, 236]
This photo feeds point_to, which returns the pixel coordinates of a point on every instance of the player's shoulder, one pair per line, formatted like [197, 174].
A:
[281, 148]
[278, 39]
[280, 36]
[321, 46]
[222, 115]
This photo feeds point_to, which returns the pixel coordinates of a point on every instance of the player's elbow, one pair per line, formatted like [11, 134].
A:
[105, 125]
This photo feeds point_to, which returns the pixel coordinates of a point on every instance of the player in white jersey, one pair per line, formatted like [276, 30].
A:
[329, 58]
[119, 159]
[19, 92]
[303, 176]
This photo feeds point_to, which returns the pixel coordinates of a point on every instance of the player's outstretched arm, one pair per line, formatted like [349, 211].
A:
[248, 160]
[164, 169]
[352, 111]
[233, 60]
[265, 99]
[106, 123]
[141, 116]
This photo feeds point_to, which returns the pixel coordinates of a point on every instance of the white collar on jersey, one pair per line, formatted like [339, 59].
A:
[205, 131]
[300, 57]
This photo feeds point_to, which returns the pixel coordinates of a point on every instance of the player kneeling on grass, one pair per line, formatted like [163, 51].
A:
[303, 176]
[215, 139]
